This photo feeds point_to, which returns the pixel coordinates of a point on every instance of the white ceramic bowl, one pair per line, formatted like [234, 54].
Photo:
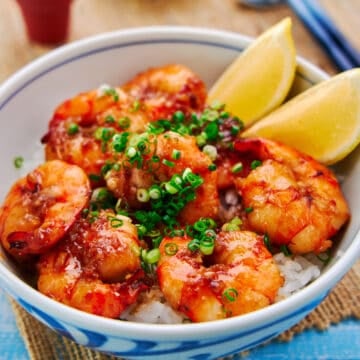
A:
[27, 101]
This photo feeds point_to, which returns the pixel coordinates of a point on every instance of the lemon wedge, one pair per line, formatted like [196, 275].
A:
[260, 77]
[323, 121]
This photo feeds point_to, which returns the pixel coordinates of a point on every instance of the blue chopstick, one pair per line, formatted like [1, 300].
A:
[337, 35]
[342, 53]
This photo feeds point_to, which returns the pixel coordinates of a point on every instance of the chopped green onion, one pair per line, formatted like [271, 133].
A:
[170, 188]
[141, 230]
[169, 220]
[119, 141]
[153, 233]
[194, 118]
[185, 173]
[166, 124]
[230, 294]
[176, 179]
[285, 250]
[230, 227]
[115, 222]
[210, 234]
[155, 128]
[237, 168]
[210, 115]
[106, 168]
[211, 151]
[94, 177]
[201, 139]
[212, 131]
[136, 106]
[255, 164]
[267, 242]
[194, 180]
[124, 122]
[155, 192]
[171, 249]
[233, 225]
[224, 115]
[149, 258]
[155, 159]
[176, 154]
[116, 167]
[85, 213]
[103, 134]
[109, 119]
[93, 216]
[121, 206]
[235, 129]
[73, 129]
[194, 245]
[142, 195]
[177, 232]
[142, 146]
[174, 208]
[236, 220]
[99, 194]
[200, 225]
[212, 167]
[102, 198]
[206, 247]
[190, 231]
[131, 152]
[168, 163]
[248, 210]
[239, 122]
[18, 162]
[153, 256]
[217, 105]
[210, 223]
[112, 92]
[178, 116]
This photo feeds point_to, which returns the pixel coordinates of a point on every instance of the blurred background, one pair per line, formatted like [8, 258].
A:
[90, 17]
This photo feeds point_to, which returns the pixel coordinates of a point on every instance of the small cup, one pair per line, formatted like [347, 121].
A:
[47, 21]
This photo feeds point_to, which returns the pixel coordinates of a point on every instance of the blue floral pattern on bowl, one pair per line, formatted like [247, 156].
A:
[194, 349]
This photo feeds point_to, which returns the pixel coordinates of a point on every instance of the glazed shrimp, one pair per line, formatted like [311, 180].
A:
[41, 207]
[81, 128]
[96, 267]
[125, 183]
[293, 199]
[240, 276]
[206, 203]
[167, 89]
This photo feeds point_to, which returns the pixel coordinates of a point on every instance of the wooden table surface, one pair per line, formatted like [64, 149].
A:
[91, 17]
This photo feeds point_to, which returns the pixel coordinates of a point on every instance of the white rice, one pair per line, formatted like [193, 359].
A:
[298, 271]
[153, 310]
[31, 163]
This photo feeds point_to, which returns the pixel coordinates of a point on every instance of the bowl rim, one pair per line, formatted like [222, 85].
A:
[316, 290]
